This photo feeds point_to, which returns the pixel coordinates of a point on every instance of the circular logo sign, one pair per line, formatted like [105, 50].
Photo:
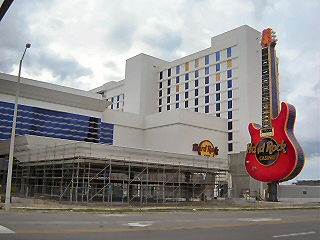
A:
[206, 148]
[266, 151]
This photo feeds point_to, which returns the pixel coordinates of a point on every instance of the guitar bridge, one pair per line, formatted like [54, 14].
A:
[267, 132]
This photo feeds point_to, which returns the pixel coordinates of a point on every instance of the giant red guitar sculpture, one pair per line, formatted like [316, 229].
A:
[274, 154]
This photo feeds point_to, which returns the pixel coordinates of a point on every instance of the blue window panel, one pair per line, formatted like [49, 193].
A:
[186, 86]
[196, 92]
[177, 97]
[196, 101]
[196, 74]
[217, 67]
[230, 94]
[229, 83]
[229, 125]
[206, 89]
[169, 82]
[207, 70]
[196, 109]
[217, 56]
[168, 91]
[206, 109]
[217, 86]
[230, 147]
[160, 75]
[229, 104]
[206, 99]
[186, 104]
[207, 60]
[169, 72]
[217, 96]
[217, 106]
[196, 83]
[206, 80]
[177, 105]
[177, 79]
[230, 137]
[229, 114]
[229, 52]
[217, 114]
[118, 98]
[186, 95]
[229, 73]
[177, 69]
[186, 76]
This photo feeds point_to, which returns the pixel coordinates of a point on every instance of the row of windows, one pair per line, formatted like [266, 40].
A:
[50, 123]
[117, 102]
[207, 60]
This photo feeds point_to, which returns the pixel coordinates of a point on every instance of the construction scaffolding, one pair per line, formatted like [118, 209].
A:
[89, 172]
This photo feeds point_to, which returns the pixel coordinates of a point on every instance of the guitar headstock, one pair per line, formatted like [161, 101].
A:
[268, 38]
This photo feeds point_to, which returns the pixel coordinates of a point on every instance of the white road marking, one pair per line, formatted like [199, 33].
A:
[293, 234]
[260, 219]
[113, 215]
[139, 224]
[5, 230]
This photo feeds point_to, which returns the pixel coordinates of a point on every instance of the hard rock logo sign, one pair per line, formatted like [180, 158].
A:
[205, 148]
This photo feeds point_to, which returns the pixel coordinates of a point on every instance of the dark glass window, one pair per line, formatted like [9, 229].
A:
[186, 95]
[206, 80]
[196, 110]
[206, 89]
[206, 70]
[229, 73]
[217, 106]
[229, 52]
[229, 83]
[168, 107]
[186, 104]
[187, 76]
[230, 94]
[196, 83]
[229, 104]
[217, 67]
[217, 56]
[207, 60]
[160, 84]
[229, 125]
[217, 114]
[229, 114]
[206, 109]
[160, 109]
[196, 74]
[168, 91]
[196, 92]
[196, 101]
[217, 86]
[160, 101]
[160, 75]
[169, 72]
[160, 93]
[230, 147]
[169, 82]
[168, 99]
[230, 136]
[186, 85]
[177, 79]
[177, 97]
[206, 99]
[177, 105]
[177, 69]
[118, 98]
[217, 96]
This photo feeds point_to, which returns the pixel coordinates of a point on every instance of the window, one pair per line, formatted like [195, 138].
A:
[229, 83]
[217, 86]
[217, 106]
[177, 79]
[196, 83]
[217, 96]
[187, 76]
[186, 104]
[118, 98]
[168, 107]
[229, 104]
[196, 92]
[229, 114]
[186, 86]
[229, 73]
[177, 105]
[206, 80]
[229, 125]
[169, 72]
[206, 89]
[160, 109]
[168, 99]
[177, 88]
[186, 95]
[196, 109]
[160, 84]
[206, 60]
[196, 63]
[229, 63]
[187, 66]
[160, 93]
[169, 82]
[229, 52]
[230, 147]
[160, 75]
[196, 74]
[168, 91]
[177, 97]
[218, 77]
[217, 67]
[229, 136]
[230, 94]
[160, 101]
[177, 69]
[207, 71]
[196, 101]
[206, 109]
[217, 114]
[217, 56]
[112, 99]
[206, 99]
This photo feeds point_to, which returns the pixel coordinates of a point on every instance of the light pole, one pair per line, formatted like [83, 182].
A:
[13, 133]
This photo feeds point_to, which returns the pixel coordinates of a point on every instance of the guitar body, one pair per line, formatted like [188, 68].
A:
[277, 156]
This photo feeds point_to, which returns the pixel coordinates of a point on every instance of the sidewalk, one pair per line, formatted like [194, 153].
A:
[240, 204]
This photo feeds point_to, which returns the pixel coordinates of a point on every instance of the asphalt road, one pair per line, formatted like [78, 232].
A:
[271, 224]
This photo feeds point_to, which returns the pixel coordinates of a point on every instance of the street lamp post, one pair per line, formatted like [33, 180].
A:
[13, 133]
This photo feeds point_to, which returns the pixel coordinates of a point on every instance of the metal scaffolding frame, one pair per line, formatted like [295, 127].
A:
[90, 172]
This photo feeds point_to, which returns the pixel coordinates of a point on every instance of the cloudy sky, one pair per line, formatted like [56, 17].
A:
[83, 44]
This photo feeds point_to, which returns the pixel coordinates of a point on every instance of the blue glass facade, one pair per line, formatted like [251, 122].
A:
[55, 124]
